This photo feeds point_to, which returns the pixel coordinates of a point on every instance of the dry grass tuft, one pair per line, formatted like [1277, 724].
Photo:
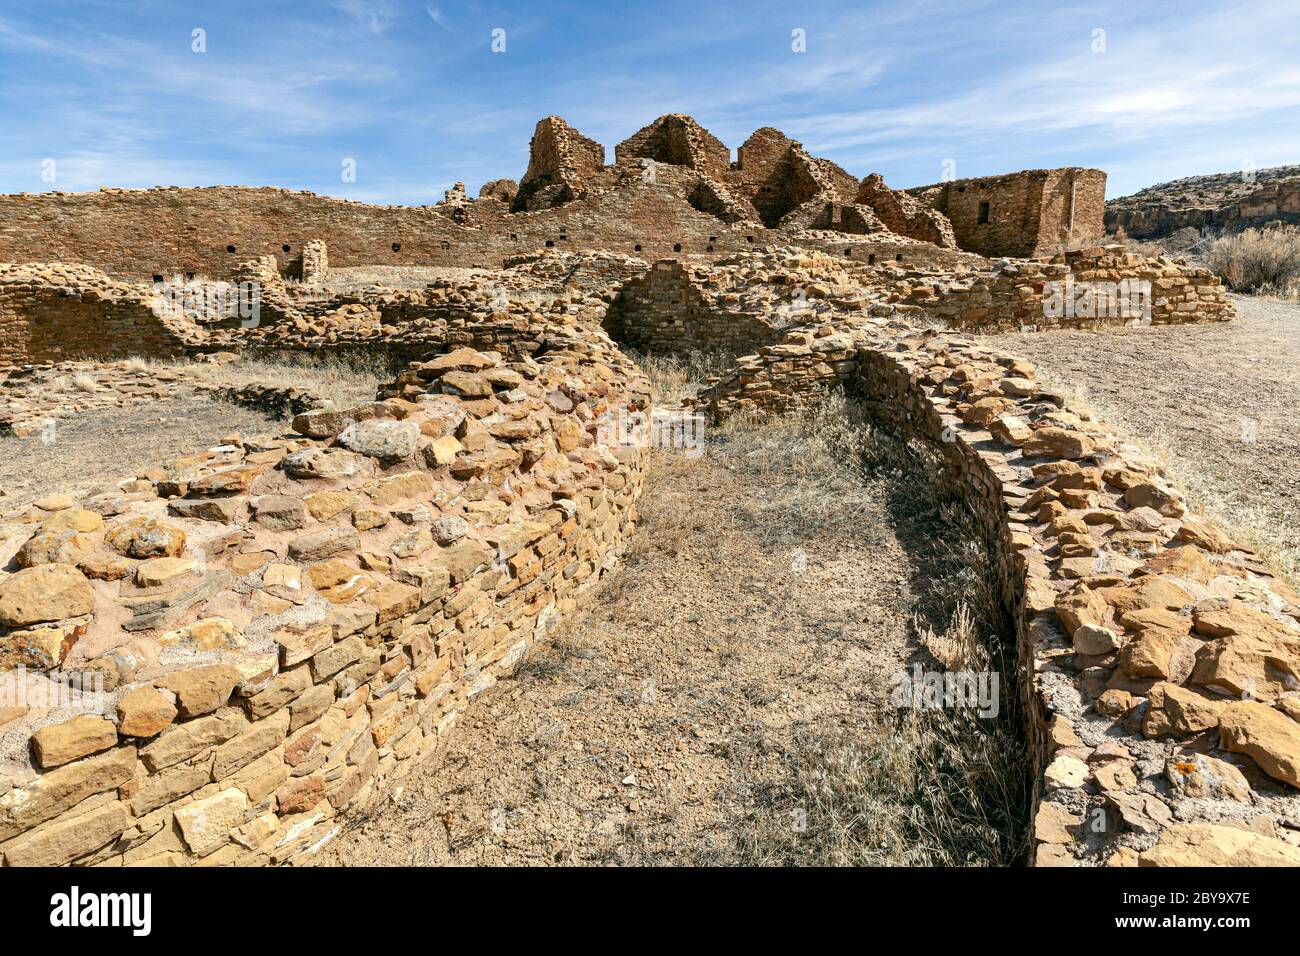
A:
[958, 648]
[676, 375]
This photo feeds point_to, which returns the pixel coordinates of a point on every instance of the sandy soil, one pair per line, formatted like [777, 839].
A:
[643, 733]
[1218, 401]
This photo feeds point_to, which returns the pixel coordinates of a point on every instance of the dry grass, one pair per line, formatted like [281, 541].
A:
[915, 787]
[346, 380]
[1259, 261]
[958, 648]
[933, 789]
[675, 376]
[828, 458]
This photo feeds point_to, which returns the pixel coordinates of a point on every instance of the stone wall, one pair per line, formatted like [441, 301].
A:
[282, 629]
[1158, 657]
[665, 311]
[141, 233]
[55, 313]
[1081, 289]
[1031, 213]
[680, 141]
[561, 161]
[672, 191]
[315, 262]
[904, 214]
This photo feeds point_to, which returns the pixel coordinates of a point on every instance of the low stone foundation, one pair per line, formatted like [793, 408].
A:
[1159, 658]
[1083, 289]
[267, 636]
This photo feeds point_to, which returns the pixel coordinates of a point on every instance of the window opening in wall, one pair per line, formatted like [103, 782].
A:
[514, 236]
[713, 238]
[871, 259]
[898, 258]
[158, 278]
[446, 244]
[564, 236]
[984, 213]
[848, 252]
[637, 247]
[708, 248]
[189, 275]
[677, 247]
[550, 243]
[285, 247]
[397, 247]
[230, 248]
[749, 238]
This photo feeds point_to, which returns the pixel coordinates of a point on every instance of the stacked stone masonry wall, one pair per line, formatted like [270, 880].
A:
[54, 313]
[1024, 214]
[1158, 657]
[1082, 289]
[283, 629]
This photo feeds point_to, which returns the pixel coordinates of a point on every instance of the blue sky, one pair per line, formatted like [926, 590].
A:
[412, 92]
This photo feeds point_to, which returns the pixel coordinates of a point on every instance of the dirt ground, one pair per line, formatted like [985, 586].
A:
[747, 611]
[95, 449]
[1219, 402]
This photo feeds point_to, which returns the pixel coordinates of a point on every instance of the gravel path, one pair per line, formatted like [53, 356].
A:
[1220, 402]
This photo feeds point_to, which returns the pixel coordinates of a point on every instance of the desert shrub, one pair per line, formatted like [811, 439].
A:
[1258, 260]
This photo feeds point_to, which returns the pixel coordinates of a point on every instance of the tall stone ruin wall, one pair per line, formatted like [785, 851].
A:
[137, 234]
[1037, 212]
[140, 234]
[678, 140]
[561, 161]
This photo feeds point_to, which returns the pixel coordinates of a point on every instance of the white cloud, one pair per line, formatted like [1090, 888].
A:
[376, 15]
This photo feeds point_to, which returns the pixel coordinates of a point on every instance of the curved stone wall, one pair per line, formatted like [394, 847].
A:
[267, 635]
[1159, 658]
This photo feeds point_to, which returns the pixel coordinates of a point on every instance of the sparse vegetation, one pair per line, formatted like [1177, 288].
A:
[915, 786]
[825, 454]
[345, 379]
[677, 375]
[1259, 261]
